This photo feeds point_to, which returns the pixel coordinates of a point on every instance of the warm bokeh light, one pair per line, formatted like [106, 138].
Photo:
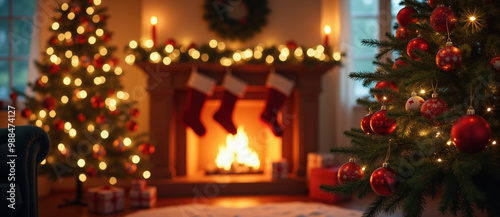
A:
[71, 16]
[52, 113]
[132, 44]
[236, 150]
[269, 59]
[337, 56]
[67, 126]
[64, 6]
[104, 134]
[135, 159]
[327, 29]
[118, 70]
[103, 165]
[97, 2]
[146, 174]
[90, 10]
[43, 162]
[154, 20]
[64, 99]
[127, 141]
[81, 162]
[82, 177]
[213, 43]
[72, 132]
[472, 18]
[99, 32]
[112, 180]
[90, 128]
[42, 113]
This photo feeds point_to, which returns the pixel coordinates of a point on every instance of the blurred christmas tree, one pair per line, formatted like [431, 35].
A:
[80, 102]
[435, 129]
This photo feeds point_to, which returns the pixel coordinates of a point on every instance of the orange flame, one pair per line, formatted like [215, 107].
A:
[237, 151]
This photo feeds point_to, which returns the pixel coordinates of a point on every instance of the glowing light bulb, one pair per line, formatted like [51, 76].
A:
[118, 70]
[96, 18]
[97, 2]
[269, 59]
[282, 58]
[257, 54]
[494, 142]
[298, 52]
[82, 94]
[82, 177]
[38, 123]
[127, 141]
[106, 67]
[52, 113]
[104, 134]
[71, 16]
[103, 165]
[310, 52]
[44, 79]
[90, 10]
[53, 58]
[440, 160]
[90, 69]
[60, 36]
[327, 29]
[422, 91]
[204, 57]
[320, 48]
[64, 99]
[136, 159]
[146, 174]
[72, 132]
[488, 109]
[67, 126]
[99, 32]
[75, 61]
[78, 82]
[337, 56]
[221, 45]
[130, 59]
[154, 57]
[169, 48]
[43, 162]
[149, 43]
[112, 180]
[213, 43]
[132, 44]
[237, 56]
[472, 18]
[92, 40]
[50, 50]
[61, 147]
[363, 168]
[42, 113]
[103, 51]
[68, 54]
[154, 20]
[167, 61]
[90, 128]
[81, 162]
[64, 6]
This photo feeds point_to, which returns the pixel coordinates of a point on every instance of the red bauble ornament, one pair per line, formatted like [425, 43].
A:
[90, 27]
[54, 68]
[81, 117]
[365, 123]
[113, 61]
[53, 40]
[106, 37]
[13, 96]
[385, 84]
[399, 62]
[97, 101]
[417, 43]
[49, 103]
[58, 124]
[132, 126]
[350, 171]
[404, 16]
[471, 133]
[403, 33]
[99, 152]
[101, 119]
[147, 148]
[171, 42]
[291, 45]
[433, 107]
[111, 92]
[134, 112]
[442, 16]
[85, 61]
[119, 146]
[130, 168]
[414, 102]
[26, 112]
[80, 39]
[99, 61]
[384, 181]
[495, 63]
[381, 124]
[449, 58]
[91, 172]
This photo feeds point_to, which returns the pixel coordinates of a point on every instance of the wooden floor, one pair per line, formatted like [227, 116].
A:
[48, 206]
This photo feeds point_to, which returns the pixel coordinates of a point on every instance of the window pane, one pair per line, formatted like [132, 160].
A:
[20, 78]
[4, 38]
[4, 80]
[396, 7]
[4, 7]
[24, 7]
[364, 28]
[22, 37]
[362, 65]
[364, 7]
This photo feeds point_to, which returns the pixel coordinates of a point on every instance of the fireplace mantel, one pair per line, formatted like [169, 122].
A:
[168, 91]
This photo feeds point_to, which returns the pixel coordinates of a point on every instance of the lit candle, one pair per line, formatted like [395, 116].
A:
[154, 21]
[327, 30]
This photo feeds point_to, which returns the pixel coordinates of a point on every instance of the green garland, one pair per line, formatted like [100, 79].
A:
[216, 12]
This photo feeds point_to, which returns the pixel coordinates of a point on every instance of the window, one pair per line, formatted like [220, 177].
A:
[16, 23]
[370, 19]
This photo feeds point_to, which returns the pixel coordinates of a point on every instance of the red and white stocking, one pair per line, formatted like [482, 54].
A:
[233, 89]
[278, 89]
[200, 86]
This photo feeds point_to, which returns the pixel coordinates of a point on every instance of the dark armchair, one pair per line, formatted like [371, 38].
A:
[31, 147]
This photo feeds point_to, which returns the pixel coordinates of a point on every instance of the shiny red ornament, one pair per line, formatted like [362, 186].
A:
[81, 39]
[365, 123]
[130, 168]
[381, 124]
[132, 126]
[54, 68]
[495, 63]
[53, 40]
[81, 117]
[403, 33]
[404, 16]
[399, 62]
[291, 45]
[350, 171]
[75, 7]
[99, 152]
[134, 112]
[417, 43]
[442, 16]
[97, 101]
[433, 107]
[147, 148]
[119, 146]
[101, 119]
[13, 95]
[449, 58]
[113, 61]
[58, 124]
[471, 133]
[171, 42]
[26, 112]
[91, 172]
[106, 37]
[385, 84]
[384, 181]
[49, 103]
[99, 61]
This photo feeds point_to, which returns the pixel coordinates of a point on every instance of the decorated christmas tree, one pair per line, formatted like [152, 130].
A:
[433, 132]
[79, 101]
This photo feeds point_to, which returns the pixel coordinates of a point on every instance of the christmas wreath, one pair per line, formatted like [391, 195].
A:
[236, 19]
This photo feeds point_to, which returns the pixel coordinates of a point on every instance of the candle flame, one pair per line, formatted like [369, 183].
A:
[327, 29]
[154, 20]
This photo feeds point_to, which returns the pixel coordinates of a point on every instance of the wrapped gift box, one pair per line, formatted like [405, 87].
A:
[326, 176]
[318, 160]
[138, 184]
[105, 200]
[145, 198]
[279, 169]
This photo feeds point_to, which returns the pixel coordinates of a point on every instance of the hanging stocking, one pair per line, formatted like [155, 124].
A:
[200, 86]
[278, 89]
[233, 89]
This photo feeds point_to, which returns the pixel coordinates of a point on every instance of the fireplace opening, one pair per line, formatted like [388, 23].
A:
[250, 151]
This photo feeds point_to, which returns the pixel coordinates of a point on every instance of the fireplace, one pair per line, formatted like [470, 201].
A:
[182, 160]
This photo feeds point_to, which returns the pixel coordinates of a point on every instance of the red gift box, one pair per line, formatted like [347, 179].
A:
[280, 169]
[145, 198]
[105, 200]
[138, 184]
[327, 176]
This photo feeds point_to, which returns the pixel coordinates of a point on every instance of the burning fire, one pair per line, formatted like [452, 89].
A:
[237, 152]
